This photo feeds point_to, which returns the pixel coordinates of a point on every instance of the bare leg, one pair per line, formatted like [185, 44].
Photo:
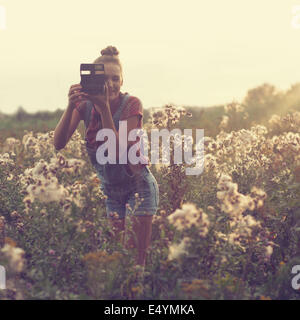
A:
[142, 230]
[118, 226]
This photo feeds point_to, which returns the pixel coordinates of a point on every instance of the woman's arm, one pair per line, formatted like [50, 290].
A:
[66, 127]
[70, 118]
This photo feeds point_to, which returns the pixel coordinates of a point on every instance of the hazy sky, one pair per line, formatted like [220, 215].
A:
[190, 52]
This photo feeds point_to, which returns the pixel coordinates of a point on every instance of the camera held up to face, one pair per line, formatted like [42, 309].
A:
[92, 78]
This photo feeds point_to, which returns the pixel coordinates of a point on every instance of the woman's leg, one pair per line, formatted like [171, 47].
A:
[140, 237]
[141, 216]
[118, 226]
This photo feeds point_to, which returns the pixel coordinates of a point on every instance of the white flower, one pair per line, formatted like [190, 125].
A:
[15, 257]
[268, 252]
[188, 216]
[176, 250]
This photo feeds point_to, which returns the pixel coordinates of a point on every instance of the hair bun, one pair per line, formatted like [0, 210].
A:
[110, 51]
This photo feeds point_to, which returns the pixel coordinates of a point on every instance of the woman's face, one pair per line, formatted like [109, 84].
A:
[114, 80]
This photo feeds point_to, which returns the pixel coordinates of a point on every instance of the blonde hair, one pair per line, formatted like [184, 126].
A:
[110, 55]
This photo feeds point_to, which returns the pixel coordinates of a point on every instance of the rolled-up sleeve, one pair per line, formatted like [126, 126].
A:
[133, 107]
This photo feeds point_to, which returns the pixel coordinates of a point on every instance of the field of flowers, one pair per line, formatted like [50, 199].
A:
[232, 232]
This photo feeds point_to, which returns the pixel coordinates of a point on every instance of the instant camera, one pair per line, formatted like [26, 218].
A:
[92, 78]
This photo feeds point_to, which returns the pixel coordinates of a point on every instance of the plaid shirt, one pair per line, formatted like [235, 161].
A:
[133, 107]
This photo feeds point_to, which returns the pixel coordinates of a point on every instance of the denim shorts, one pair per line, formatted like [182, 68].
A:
[121, 199]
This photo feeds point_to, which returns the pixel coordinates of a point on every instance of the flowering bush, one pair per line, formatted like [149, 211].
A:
[230, 233]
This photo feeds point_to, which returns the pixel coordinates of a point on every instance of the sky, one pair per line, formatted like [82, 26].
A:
[192, 52]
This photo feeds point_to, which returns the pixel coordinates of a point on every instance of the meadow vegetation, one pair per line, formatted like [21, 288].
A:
[232, 232]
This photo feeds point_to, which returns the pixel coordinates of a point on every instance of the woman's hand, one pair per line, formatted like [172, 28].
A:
[76, 95]
[101, 101]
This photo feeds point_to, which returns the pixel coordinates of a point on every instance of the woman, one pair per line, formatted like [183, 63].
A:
[119, 182]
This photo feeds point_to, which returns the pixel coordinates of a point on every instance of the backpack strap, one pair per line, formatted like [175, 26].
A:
[88, 111]
[117, 115]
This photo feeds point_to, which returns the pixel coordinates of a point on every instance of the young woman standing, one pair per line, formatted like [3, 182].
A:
[119, 182]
